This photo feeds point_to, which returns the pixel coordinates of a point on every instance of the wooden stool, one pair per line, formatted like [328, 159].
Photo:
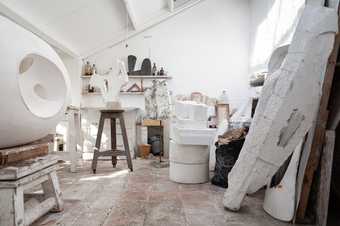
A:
[112, 115]
[17, 178]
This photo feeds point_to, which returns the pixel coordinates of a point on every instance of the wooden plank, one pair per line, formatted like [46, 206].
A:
[319, 133]
[325, 178]
[334, 102]
[24, 152]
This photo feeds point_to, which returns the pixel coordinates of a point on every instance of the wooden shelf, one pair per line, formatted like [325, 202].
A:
[137, 77]
[122, 93]
[150, 77]
[90, 94]
[132, 93]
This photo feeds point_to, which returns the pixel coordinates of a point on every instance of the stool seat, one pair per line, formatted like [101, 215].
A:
[112, 115]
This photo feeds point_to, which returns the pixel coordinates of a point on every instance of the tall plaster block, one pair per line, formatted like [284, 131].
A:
[287, 105]
[34, 86]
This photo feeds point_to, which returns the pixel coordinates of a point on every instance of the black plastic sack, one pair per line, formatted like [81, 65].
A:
[226, 156]
[155, 142]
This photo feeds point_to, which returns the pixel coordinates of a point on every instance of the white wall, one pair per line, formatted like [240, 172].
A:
[204, 49]
[273, 23]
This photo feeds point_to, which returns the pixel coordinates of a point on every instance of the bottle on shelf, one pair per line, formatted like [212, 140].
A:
[154, 69]
[94, 69]
[88, 69]
[161, 72]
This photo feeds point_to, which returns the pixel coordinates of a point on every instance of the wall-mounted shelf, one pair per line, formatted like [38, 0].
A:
[132, 93]
[138, 77]
[90, 94]
[122, 93]
[85, 76]
[150, 77]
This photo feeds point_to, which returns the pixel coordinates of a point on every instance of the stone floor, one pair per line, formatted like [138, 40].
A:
[146, 197]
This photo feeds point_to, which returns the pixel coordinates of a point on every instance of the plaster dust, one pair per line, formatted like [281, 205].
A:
[116, 197]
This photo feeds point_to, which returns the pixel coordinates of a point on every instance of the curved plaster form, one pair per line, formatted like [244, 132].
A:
[277, 58]
[287, 105]
[34, 86]
[280, 200]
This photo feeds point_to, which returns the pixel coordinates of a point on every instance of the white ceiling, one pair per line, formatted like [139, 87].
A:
[81, 26]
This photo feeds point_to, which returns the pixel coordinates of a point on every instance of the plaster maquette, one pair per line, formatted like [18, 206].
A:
[34, 86]
[287, 105]
[111, 84]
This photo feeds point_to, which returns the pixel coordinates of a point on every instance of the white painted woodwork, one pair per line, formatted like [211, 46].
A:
[30, 26]
[146, 24]
[171, 5]
[74, 137]
[42, 170]
[132, 15]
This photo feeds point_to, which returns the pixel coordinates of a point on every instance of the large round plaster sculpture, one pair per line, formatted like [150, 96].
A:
[34, 86]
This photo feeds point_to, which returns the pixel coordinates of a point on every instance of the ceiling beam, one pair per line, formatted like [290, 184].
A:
[141, 28]
[18, 19]
[131, 12]
[171, 5]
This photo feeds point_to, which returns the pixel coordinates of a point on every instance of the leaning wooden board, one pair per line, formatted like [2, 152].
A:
[324, 185]
[13, 155]
[319, 133]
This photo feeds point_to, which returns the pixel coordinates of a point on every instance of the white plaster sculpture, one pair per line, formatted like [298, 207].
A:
[189, 146]
[111, 84]
[277, 58]
[157, 100]
[34, 86]
[279, 200]
[287, 105]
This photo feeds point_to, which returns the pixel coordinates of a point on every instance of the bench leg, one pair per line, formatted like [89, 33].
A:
[12, 207]
[51, 189]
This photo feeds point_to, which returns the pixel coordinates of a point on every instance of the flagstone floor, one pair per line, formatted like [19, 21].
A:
[146, 197]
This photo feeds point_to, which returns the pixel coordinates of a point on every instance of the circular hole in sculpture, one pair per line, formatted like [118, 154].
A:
[25, 64]
[42, 85]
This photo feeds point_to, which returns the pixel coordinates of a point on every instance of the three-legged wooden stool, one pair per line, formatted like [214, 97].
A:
[112, 115]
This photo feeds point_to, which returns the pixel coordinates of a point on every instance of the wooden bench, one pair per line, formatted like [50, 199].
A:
[19, 177]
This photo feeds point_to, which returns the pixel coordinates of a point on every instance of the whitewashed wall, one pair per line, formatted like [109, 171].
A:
[204, 49]
[273, 23]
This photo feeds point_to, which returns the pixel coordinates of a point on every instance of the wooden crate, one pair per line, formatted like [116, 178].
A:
[152, 122]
